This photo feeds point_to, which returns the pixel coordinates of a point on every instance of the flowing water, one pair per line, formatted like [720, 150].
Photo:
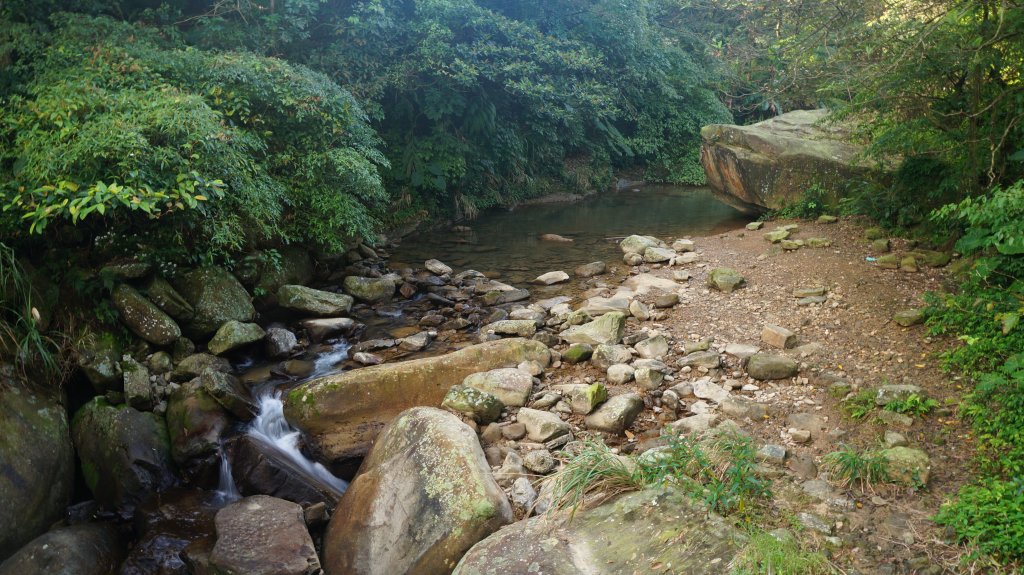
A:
[508, 242]
[272, 428]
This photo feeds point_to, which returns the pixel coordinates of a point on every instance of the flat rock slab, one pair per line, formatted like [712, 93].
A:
[765, 366]
[607, 329]
[313, 301]
[542, 426]
[616, 414]
[652, 527]
[511, 385]
[263, 535]
[341, 414]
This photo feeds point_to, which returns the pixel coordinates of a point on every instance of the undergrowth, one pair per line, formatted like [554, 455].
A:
[850, 467]
[718, 470]
[769, 554]
[23, 339]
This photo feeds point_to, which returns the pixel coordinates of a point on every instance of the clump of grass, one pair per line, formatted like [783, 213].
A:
[22, 338]
[859, 405]
[768, 554]
[851, 467]
[914, 404]
[717, 470]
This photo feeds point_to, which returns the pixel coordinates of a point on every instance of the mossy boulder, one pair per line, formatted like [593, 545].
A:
[424, 496]
[216, 296]
[37, 464]
[638, 244]
[163, 294]
[341, 414]
[233, 335]
[99, 357]
[657, 527]
[369, 290]
[578, 353]
[315, 302]
[143, 317]
[125, 453]
[479, 405]
[766, 366]
[907, 466]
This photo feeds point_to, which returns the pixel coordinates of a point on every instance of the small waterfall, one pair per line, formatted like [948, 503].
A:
[227, 492]
[271, 427]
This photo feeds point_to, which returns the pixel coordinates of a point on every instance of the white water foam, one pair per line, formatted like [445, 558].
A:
[227, 491]
[271, 427]
[325, 363]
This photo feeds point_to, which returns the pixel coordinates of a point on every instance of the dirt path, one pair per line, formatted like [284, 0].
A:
[850, 336]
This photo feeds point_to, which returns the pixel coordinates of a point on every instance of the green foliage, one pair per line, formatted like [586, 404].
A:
[913, 404]
[859, 405]
[995, 408]
[769, 554]
[849, 467]
[989, 515]
[718, 470]
[120, 127]
[814, 202]
[985, 312]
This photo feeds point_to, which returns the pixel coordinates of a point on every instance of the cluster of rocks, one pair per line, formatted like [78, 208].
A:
[783, 235]
[911, 260]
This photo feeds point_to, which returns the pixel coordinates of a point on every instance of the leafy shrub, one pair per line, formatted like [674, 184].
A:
[913, 404]
[989, 515]
[814, 202]
[857, 406]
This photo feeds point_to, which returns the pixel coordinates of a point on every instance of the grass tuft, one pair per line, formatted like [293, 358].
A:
[848, 467]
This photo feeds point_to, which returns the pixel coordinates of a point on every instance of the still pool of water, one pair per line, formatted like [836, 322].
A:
[507, 241]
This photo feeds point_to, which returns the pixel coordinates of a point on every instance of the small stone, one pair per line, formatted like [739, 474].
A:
[818, 243]
[577, 353]
[808, 291]
[705, 359]
[776, 236]
[741, 350]
[813, 300]
[889, 393]
[655, 255]
[909, 264]
[681, 276]
[620, 374]
[814, 523]
[552, 278]
[791, 245]
[523, 494]
[909, 317]
[894, 439]
[510, 385]
[881, 246]
[437, 268]
[616, 414]
[667, 300]
[653, 347]
[670, 400]
[907, 466]
[705, 389]
[514, 431]
[647, 378]
[542, 426]
[755, 226]
[777, 336]
[491, 433]
[725, 280]
[539, 461]
[800, 435]
[367, 358]
[280, 342]
[824, 219]
[695, 424]
[763, 366]
[772, 454]
[590, 270]
[531, 367]
[639, 310]
[683, 246]
[888, 262]
[479, 405]
[416, 342]
[581, 397]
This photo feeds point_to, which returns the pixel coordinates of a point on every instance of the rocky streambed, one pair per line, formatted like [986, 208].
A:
[455, 395]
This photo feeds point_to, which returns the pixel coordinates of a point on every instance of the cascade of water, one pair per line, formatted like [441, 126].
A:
[226, 489]
[325, 362]
[271, 427]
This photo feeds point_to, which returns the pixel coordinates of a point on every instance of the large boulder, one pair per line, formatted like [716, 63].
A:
[125, 453]
[657, 527]
[770, 164]
[99, 356]
[263, 535]
[233, 335]
[86, 549]
[36, 465]
[143, 317]
[216, 296]
[341, 414]
[424, 496]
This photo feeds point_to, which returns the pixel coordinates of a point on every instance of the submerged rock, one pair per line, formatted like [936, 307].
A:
[425, 495]
[341, 414]
[654, 527]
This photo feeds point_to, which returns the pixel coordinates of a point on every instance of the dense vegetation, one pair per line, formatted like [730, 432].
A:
[186, 132]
